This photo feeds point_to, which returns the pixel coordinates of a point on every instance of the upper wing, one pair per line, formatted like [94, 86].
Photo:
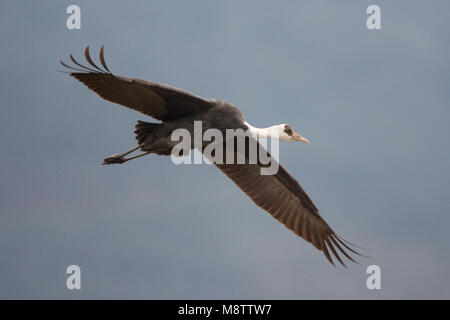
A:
[157, 100]
[283, 197]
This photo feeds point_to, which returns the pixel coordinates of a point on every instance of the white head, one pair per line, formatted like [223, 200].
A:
[286, 133]
[282, 132]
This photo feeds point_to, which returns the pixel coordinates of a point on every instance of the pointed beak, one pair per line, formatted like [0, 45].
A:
[298, 137]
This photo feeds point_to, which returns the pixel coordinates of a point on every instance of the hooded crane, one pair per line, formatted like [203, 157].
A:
[279, 194]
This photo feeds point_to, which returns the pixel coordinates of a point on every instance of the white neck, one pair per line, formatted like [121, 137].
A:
[272, 132]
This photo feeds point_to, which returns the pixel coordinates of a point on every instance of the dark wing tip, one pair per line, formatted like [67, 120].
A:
[337, 245]
[351, 244]
[71, 67]
[336, 255]
[102, 59]
[88, 58]
[93, 67]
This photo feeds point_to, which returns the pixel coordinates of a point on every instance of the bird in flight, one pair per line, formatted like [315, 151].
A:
[279, 194]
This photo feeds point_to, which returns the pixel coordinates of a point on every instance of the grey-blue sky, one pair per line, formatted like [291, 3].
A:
[375, 105]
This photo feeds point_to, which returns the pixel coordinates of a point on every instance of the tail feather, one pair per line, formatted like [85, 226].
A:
[144, 129]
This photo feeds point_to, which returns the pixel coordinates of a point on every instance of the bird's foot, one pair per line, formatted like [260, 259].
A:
[115, 158]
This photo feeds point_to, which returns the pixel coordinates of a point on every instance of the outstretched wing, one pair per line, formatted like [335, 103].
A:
[154, 99]
[283, 197]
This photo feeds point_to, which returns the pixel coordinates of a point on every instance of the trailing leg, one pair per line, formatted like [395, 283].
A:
[120, 157]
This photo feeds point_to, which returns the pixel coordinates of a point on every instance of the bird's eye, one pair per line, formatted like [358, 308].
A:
[288, 130]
